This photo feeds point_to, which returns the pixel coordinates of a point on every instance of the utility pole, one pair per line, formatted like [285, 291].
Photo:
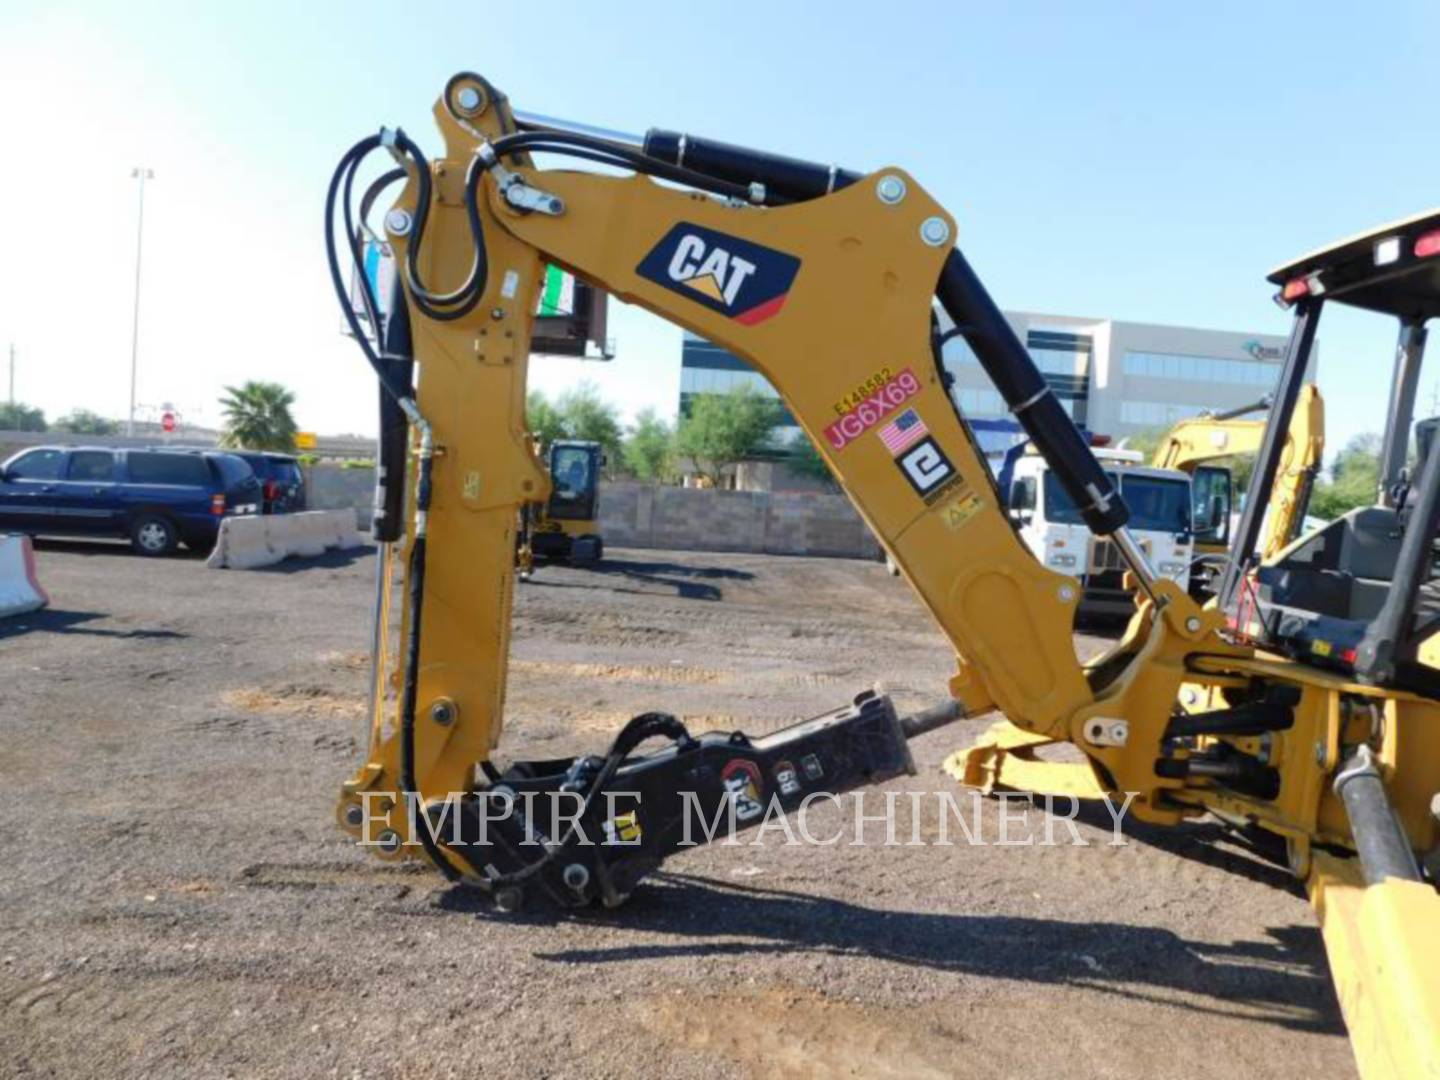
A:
[142, 174]
[12, 380]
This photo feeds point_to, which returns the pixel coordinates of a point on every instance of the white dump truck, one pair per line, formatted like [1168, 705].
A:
[1161, 509]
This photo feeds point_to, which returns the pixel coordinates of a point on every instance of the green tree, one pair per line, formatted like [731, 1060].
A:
[1242, 467]
[85, 422]
[1353, 481]
[543, 418]
[723, 429]
[18, 417]
[1146, 441]
[649, 447]
[580, 414]
[257, 417]
[590, 418]
[805, 459]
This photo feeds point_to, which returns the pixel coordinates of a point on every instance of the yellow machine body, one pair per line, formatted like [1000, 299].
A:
[852, 329]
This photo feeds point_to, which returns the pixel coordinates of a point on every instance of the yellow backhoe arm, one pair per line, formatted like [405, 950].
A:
[830, 298]
[823, 280]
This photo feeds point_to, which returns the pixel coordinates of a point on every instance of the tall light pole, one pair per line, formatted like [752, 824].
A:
[12, 382]
[141, 174]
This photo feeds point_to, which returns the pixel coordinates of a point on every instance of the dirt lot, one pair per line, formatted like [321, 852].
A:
[175, 900]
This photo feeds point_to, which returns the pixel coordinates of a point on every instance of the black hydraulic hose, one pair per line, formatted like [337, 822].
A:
[352, 241]
[564, 142]
[636, 731]
[415, 596]
[467, 295]
[348, 162]
[367, 201]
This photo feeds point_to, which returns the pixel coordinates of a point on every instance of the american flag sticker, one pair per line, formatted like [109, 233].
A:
[903, 431]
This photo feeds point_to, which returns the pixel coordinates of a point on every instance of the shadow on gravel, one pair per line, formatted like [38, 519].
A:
[1284, 980]
[113, 548]
[50, 621]
[331, 560]
[667, 575]
[1251, 854]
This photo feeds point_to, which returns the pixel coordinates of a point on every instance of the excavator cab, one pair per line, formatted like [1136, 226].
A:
[1360, 596]
[566, 529]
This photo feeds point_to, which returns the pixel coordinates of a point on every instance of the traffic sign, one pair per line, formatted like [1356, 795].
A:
[306, 440]
[167, 422]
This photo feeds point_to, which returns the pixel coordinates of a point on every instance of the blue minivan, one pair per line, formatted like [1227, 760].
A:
[157, 498]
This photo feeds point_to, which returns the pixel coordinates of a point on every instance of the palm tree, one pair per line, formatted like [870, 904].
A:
[257, 417]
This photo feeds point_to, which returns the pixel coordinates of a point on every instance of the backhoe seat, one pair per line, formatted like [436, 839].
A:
[1320, 597]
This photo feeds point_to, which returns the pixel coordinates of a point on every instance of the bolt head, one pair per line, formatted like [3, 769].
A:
[468, 99]
[354, 815]
[442, 712]
[388, 842]
[1319, 753]
[934, 231]
[576, 876]
[1067, 594]
[1192, 624]
[890, 189]
[398, 222]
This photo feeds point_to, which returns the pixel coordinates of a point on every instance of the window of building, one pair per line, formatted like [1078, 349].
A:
[980, 402]
[1155, 413]
[1206, 369]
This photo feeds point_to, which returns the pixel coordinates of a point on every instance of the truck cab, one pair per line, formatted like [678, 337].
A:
[1161, 502]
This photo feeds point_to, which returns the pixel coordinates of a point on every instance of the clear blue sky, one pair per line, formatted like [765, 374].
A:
[1137, 161]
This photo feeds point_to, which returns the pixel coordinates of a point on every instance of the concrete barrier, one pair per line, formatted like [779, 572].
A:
[246, 543]
[20, 590]
[768, 522]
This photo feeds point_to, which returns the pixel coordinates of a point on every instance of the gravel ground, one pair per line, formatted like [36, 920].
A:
[176, 900]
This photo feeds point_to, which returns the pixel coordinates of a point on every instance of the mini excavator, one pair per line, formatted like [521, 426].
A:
[1304, 700]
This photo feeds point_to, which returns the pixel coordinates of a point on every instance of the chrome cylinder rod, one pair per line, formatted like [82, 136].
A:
[534, 120]
[1135, 558]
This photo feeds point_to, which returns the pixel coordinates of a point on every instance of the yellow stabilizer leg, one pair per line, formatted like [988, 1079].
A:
[1003, 759]
[1385, 960]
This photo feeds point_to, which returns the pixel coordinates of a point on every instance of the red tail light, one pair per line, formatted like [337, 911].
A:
[217, 504]
[272, 489]
[1428, 245]
[1295, 288]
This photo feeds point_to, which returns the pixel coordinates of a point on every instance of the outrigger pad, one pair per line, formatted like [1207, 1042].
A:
[543, 829]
